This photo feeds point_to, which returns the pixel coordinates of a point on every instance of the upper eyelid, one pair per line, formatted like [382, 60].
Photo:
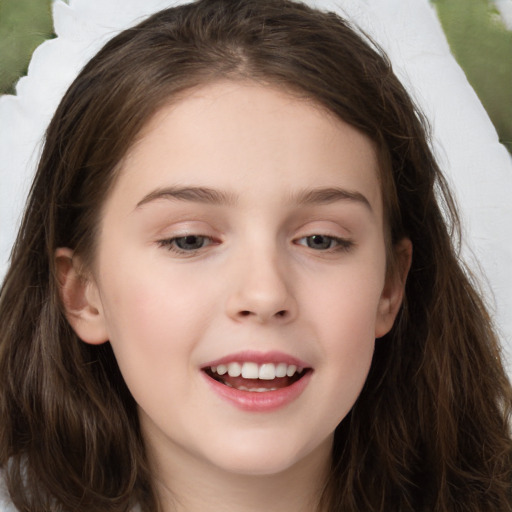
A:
[185, 235]
[326, 235]
[213, 240]
[200, 227]
[170, 245]
[207, 233]
[187, 228]
[342, 241]
[324, 232]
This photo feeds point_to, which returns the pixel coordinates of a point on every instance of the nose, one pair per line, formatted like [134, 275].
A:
[261, 289]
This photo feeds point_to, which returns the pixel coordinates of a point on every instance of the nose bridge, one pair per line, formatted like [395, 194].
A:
[261, 286]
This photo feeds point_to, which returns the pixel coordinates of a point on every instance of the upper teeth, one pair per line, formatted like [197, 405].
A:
[266, 371]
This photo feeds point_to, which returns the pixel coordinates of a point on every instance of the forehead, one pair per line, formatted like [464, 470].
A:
[248, 138]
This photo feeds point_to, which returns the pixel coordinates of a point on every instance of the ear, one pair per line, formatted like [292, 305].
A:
[394, 288]
[80, 298]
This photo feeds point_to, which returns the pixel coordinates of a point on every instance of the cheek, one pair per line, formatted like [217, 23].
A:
[345, 317]
[347, 302]
[153, 322]
[153, 334]
[348, 333]
[144, 297]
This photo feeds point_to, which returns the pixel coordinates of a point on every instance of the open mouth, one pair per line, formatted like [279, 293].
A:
[257, 378]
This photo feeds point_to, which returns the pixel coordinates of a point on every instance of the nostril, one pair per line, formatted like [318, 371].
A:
[245, 313]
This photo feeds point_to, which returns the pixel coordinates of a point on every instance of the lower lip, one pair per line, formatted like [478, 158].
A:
[254, 401]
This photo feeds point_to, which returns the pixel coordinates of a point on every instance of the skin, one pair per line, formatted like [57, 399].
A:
[257, 283]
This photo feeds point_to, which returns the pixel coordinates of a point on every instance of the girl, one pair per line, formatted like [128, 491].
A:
[234, 286]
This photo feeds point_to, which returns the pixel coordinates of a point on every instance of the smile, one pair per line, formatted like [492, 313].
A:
[258, 386]
[254, 377]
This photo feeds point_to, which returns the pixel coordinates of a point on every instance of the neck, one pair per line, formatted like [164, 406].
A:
[185, 484]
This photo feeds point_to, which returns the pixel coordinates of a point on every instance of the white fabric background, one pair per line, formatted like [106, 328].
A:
[465, 141]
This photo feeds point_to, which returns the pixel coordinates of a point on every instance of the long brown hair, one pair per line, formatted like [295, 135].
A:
[431, 428]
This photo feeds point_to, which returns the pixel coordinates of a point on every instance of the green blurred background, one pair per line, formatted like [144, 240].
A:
[477, 36]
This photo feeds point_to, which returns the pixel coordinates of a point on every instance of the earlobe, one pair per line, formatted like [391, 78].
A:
[394, 289]
[80, 299]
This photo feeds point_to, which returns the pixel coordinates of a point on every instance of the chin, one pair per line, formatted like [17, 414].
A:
[266, 459]
[259, 466]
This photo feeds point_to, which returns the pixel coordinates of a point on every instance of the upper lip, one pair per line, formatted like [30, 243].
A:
[275, 357]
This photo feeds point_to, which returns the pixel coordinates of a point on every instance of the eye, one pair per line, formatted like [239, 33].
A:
[187, 243]
[325, 243]
[191, 242]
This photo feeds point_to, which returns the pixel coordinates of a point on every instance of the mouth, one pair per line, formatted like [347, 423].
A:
[252, 377]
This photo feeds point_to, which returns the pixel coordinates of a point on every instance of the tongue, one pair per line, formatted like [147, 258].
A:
[240, 382]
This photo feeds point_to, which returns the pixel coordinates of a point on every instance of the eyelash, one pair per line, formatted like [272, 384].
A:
[171, 244]
[340, 244]
[336, 244]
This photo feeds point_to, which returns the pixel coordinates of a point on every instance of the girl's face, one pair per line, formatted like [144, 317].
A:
[245, 234]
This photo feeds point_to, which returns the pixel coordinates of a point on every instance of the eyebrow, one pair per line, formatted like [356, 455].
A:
[318, 196]
[328, 196]
[193, 194]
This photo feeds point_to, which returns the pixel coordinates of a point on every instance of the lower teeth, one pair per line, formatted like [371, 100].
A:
[252, 390]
